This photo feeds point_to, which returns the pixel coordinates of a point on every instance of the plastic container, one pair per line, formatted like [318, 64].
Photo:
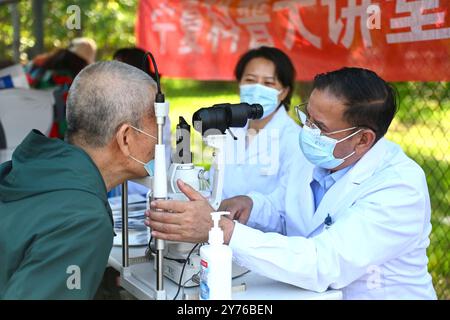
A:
[215, 264]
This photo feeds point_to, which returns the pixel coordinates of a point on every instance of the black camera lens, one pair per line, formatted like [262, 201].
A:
[223, 116]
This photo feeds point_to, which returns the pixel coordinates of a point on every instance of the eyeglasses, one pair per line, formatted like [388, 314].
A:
[301, 115]
[302, 112]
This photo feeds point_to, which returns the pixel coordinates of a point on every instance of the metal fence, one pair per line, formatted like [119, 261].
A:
[422, 128]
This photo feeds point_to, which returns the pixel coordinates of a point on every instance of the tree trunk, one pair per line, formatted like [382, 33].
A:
[15, 16]
[38, 26]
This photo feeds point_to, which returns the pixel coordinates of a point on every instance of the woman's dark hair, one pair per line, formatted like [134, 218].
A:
[284, 69]
[60, 60]
[135, 57]
[371, 102]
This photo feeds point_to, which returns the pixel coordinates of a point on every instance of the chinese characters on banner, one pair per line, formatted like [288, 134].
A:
[402, 40]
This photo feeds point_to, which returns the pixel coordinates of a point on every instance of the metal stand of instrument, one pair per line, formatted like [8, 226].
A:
[125, 248]
[160, 193]
[129, 280]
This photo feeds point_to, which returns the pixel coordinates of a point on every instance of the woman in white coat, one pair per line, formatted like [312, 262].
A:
[261, 157]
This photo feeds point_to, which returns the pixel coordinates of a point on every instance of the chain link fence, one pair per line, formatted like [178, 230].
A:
[421, 127]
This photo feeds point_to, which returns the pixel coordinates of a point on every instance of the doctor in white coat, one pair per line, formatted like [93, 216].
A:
[356, 218]
[262, 155]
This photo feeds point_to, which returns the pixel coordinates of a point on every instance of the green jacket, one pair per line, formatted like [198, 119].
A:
[56, 226]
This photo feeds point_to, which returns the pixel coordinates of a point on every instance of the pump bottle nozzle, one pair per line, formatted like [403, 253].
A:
[216, 233]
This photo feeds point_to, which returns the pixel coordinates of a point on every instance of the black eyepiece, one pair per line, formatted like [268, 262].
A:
[225, 115]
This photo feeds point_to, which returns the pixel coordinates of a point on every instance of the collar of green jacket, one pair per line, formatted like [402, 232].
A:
[40, 165]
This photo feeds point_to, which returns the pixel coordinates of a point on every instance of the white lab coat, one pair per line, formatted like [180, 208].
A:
[376, 246]
[267, 159]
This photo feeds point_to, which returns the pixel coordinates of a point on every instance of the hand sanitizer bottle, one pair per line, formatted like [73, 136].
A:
[215, 264]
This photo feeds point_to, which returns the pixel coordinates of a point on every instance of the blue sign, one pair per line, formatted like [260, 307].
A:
[6, 82]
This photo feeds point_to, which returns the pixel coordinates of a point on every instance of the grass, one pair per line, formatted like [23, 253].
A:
[421, 127]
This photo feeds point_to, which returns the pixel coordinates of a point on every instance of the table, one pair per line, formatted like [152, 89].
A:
[139, 280]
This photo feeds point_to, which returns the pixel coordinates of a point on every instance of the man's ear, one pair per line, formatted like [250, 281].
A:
[123, 136]
[366, 141]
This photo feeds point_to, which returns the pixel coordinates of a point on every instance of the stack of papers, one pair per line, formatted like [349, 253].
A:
[138, 232]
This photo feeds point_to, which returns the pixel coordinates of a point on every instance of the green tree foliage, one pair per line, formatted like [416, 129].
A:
[109, 22]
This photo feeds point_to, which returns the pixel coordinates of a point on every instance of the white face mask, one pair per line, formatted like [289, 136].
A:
[319, 149]
[257, 93]
[149, 166]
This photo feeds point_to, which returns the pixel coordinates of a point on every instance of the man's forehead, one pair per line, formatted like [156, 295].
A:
[326, 110]
[324, 103]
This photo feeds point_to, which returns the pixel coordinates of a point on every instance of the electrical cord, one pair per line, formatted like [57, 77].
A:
[184, 261]
[149, 247]
[149, 251]
[151, 60]
[182, 271]
[195, 279]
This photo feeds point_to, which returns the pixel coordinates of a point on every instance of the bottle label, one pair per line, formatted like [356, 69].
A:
[204, 289]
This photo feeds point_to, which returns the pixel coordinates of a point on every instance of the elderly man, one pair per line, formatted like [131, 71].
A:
[56, 226]
[355, 216]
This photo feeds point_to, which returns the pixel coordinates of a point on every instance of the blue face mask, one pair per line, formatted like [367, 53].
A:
[257, 93]
[149, 166]
[319, 149]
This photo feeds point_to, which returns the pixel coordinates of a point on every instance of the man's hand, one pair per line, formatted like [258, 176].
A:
[186, 221]
[239, 207]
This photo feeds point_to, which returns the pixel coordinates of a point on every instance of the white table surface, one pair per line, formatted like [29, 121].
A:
[140, 280]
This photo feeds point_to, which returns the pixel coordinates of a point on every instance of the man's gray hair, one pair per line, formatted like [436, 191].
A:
[104, 96]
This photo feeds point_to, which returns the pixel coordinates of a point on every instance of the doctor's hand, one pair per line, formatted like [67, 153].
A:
[239, 207]
[186, 221]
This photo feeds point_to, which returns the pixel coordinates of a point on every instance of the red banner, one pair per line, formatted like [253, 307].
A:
[402, 40]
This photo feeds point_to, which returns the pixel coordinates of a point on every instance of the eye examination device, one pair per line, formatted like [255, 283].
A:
[178, 261]
[212, 123]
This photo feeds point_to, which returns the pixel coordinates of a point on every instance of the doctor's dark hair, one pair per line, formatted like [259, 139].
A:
[371, 102]
[284, 68]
